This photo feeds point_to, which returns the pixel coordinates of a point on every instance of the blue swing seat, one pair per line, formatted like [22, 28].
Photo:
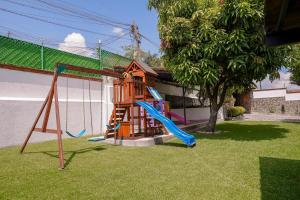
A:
[96, 139]
[81, 133]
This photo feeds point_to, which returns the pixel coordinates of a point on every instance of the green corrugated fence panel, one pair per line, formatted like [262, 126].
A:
[21, 53]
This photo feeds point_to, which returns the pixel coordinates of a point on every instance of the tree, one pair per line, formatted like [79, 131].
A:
[295, 64]
[153, 60]
[215, 44]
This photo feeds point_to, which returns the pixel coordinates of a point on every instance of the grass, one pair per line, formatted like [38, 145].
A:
[249, 160]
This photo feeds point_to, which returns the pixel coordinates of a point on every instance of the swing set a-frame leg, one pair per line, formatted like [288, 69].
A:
[59, 133]
[48, 101]
[34, 124]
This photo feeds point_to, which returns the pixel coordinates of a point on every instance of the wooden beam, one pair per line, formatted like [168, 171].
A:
[52, 131]
[90, 71]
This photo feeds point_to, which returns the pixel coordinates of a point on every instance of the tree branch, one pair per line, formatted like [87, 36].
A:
[222, 96]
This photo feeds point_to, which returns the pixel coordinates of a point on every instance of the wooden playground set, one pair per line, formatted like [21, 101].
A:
[138, 111]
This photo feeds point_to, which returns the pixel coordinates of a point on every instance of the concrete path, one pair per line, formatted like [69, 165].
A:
[271, 117]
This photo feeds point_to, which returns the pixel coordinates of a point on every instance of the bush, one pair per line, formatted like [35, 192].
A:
[234, 111]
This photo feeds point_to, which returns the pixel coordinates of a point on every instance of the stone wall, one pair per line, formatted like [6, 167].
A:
[275, 105]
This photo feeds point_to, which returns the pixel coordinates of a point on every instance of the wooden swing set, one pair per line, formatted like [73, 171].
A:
[53, 93]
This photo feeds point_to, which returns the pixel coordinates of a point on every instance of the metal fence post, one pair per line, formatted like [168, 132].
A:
[100, 54]
[42, 56]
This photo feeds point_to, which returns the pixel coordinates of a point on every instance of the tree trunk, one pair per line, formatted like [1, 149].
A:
[213, 115]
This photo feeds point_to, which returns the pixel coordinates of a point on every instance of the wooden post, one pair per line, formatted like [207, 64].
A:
[115, 112]
[145, 122]
[48, 109]
[139, 119]
[132, 120]
[58, 126]
[184, 110]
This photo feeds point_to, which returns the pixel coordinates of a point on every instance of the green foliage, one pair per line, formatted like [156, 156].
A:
[234, 111]
[272, 109]
[216, 45]
[153, 60]
[229, 99]
[295, 66]
[205, 43]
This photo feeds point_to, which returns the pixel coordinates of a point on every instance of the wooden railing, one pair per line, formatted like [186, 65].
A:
[128, 90]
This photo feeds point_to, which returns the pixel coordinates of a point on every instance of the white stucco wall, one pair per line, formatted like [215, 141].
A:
[292, 96]
[276, 93]
[22, 94]
[269, 93]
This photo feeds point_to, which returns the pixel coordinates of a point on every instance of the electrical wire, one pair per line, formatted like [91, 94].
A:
[81, 13]
[53, 23]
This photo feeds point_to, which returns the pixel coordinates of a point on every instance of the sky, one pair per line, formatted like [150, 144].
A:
[61, 37]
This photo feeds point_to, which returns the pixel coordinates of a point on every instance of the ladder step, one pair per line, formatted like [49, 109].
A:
[112, 123]
[118, 118]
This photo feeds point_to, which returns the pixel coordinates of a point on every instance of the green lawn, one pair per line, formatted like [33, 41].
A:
[249, 160]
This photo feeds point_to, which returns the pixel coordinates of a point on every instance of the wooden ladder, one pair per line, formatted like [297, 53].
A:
[120, 114]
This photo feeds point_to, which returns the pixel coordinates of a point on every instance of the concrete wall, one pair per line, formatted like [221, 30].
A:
[275, 101]
[268, 93]
[22, 94]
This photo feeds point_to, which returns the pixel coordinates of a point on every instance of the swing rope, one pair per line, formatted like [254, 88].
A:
[101, 137]
[82, 132]
[91, 113]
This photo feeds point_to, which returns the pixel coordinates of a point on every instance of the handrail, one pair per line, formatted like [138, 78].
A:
[130, 90]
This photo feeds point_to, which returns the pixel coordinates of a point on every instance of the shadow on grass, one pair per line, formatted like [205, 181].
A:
[247, 132]
[174, 144]
[280, 178]
[54, 154]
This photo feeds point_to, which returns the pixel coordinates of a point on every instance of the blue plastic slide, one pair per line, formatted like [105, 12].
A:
[188, 139]
[154, 93]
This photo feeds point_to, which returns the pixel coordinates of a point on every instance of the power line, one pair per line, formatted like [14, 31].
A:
[67, 9]
[52, 12]
[110, 41]
[54, 23]
[82, 13]
[150, 41]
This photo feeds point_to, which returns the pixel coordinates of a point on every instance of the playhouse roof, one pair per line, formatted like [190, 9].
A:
[143, 66]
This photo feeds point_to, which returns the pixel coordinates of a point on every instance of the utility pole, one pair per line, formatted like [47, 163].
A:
[8, 34]
[134, 30]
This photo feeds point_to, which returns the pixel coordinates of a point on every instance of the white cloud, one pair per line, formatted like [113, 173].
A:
[118, 31]
[75, 43]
